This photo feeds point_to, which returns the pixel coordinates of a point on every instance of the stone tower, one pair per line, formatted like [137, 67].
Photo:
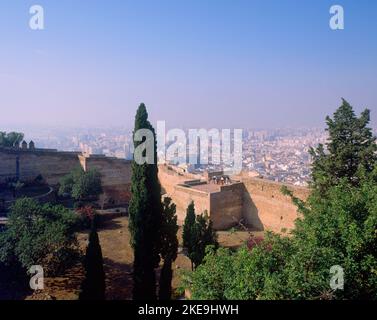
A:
[31, 145]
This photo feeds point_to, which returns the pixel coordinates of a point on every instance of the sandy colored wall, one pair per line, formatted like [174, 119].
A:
[183, 196]
[257, 202]
[51, 165]
[266, 208]
[115, 176]
[170, 182]
[226, 206]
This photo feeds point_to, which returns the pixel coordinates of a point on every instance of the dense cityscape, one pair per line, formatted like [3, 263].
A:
[275, 154]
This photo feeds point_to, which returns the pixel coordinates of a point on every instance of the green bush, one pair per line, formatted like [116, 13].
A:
[81, 185]
[40, 235]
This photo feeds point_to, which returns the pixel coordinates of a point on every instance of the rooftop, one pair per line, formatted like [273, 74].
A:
[207, 187]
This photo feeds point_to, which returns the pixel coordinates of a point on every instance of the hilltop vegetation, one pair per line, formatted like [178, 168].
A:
[335, 240]
[10, 139]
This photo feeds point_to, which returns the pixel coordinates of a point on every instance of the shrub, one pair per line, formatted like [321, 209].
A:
[40, 235]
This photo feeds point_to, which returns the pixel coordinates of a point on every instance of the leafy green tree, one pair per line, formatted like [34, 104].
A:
[67, 182]
[351, 147]
[145, 212]
[81, 184]
[337, 231]
[87, 185]
[93, 286]
[243, 274]
[169, 248]
[40, 235]
[337, 227]
[340, 230]
[10, 139]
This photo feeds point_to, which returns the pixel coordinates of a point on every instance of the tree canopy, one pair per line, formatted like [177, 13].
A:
[81, 184]
[336, 230]
[39, 235]
[351, 149]
[10, 139]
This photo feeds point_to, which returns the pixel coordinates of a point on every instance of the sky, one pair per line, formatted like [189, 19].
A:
[194, 63]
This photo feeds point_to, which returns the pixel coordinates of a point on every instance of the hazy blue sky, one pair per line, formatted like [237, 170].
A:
[223, 63]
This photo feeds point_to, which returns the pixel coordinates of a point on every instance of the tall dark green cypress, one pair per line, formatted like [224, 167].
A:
[203, 235]
[93, 286]
[188, 229]
[188, 224]
[145, 212]
[169, 248]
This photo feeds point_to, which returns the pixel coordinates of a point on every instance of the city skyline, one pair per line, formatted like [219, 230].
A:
[194, 64]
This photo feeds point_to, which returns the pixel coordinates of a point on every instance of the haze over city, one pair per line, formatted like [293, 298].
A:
[188, 157]
[194, 63]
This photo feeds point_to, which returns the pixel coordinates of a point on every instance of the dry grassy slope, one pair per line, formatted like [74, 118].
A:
[118, 257]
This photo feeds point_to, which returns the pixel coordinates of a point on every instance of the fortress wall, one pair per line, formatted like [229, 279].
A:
[266, 208]
[115, 176]
[226, 206]
[114, 171]
[259, 202]
[7, 165]
[171, 183]
[182, 197]
[50, 164]
[169, 178]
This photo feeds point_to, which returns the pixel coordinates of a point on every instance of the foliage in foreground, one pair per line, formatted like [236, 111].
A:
[338, 227]
[340, 231]
[39, 235]
[197, 235]
[169, 248]
[93, 286]
[145, 212]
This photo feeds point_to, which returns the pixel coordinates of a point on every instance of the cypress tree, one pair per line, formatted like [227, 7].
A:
[188, 229]
[350, 150]
[203, 235]
[169, 248]
[145, 212]
[93, 286]
[198, 233]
